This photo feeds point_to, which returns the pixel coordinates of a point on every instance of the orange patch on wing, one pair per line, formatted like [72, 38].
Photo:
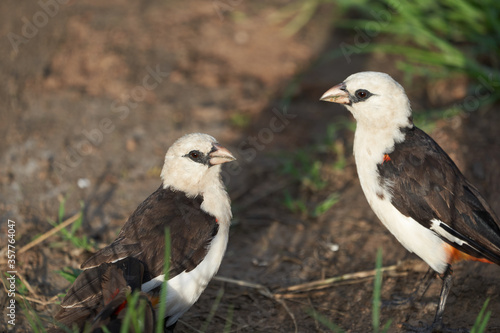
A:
[455, 255]
[154, 300]
[387, 158]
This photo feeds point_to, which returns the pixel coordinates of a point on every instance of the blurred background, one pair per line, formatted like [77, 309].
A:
[94, 92]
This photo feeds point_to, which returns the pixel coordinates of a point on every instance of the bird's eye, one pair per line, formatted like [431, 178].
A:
[362, 94]
[197, 156]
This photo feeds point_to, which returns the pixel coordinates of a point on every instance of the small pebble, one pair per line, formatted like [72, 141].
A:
[83, 183]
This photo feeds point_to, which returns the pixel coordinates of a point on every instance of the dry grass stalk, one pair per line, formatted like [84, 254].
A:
[49, 233]
[319, 284]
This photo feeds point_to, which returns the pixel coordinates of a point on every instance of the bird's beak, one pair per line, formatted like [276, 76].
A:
[337, 94]
[220, 155]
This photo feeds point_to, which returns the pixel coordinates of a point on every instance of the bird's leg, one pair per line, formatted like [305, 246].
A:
[445, 290]
[424, 285]
[418, 292]
[437, 324]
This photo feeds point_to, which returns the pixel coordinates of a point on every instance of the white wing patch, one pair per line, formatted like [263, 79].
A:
[436, 227]
[153, 283]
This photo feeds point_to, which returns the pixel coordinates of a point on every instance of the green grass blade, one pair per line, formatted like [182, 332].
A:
[77, 224]
[303, 16]
[166, 267]
[229, 319]
[34, 320]
[376, 293]
[127, 320]
[61, 211]
[386, 327]
[482, 319]
[377, 290]
[69, 273]
[105, 329]
[213, 310]
[325, 321]
[326, 204]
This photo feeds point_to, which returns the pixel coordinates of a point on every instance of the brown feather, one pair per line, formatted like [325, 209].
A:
[143, 235]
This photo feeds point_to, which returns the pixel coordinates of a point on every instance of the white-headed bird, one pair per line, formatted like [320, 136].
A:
[193, 204]
[411, 184]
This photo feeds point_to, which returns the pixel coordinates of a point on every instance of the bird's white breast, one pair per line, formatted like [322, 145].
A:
[368, 152]
[184, 289]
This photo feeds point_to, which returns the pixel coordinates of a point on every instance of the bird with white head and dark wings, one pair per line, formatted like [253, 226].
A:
[193, 204]
[412, 185]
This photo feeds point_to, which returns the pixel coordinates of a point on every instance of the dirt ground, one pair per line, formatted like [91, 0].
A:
[96, 91]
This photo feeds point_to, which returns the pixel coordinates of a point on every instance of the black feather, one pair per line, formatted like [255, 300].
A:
[427, 185]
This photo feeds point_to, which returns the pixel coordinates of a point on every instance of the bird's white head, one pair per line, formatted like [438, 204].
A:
[192, 164]
[374, 99]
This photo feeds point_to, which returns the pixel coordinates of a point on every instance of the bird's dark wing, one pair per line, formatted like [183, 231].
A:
[426, 185]
[97, 294]
[143, 235]
[118, 283]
